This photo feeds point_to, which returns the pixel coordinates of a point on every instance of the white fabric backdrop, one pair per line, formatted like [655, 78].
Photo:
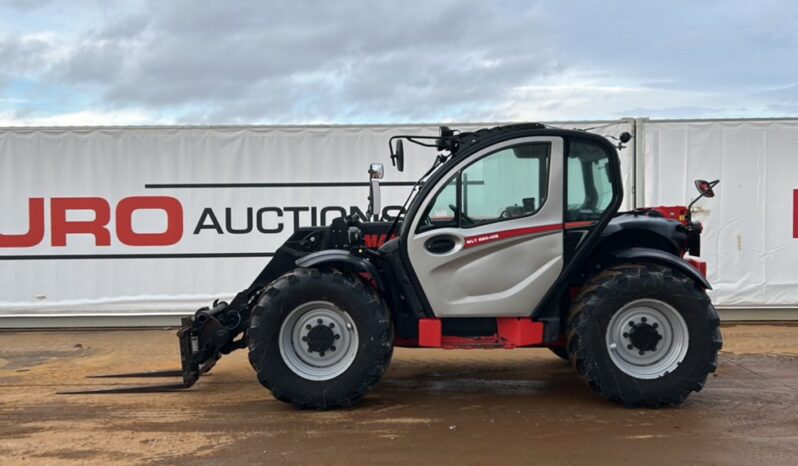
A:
[748, 239]
[115, 163]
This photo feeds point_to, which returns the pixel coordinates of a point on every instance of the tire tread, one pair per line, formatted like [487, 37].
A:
[283, 285]
[609, 283]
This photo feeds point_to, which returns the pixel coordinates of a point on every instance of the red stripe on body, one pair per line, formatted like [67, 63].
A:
[575, 225]
[478, 240]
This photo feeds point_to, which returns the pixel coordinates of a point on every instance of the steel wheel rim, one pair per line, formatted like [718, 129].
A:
[305, 327]
[631, 351]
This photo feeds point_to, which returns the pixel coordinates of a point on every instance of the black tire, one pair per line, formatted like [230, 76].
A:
[561, 352]
[368, 313]
[606, 294]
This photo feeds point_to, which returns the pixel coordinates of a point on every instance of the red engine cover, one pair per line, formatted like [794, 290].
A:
[676, 212]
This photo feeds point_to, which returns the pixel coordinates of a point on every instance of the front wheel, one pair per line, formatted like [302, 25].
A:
[643, 335]
[319, 339]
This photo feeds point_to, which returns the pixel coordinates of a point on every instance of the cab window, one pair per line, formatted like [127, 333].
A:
[589, 188]
[506, 184]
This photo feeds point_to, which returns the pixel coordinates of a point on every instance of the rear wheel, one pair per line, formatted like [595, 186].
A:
[320, 339]
[643, 335]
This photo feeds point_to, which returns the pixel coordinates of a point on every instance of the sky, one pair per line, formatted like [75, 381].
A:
[141, 62]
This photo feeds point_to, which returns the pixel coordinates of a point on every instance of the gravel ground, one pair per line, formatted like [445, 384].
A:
[440, 407]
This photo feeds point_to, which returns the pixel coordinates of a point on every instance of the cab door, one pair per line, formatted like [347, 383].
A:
[489, 240]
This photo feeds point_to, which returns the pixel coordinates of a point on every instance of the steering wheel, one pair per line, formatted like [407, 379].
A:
[458, 213]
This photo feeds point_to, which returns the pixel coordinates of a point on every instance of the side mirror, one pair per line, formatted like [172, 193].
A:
[622, 139]
[376, 171]
[705, 187]
[398, 156]
[625, 137]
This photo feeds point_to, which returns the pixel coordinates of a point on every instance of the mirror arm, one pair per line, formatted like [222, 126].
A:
[690, 207]
[418, 139]
[712, 184]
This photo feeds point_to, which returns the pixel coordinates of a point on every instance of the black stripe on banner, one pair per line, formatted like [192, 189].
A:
[342, 184]
[188, 255]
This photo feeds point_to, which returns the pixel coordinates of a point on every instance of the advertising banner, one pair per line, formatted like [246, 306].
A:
[750, 239]
[166, 219]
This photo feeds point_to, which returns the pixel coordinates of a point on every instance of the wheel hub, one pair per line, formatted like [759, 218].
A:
[318, 340]
[647, 338]
[644, 336]
[321, 339]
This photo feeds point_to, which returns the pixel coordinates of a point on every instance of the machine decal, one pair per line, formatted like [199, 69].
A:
[477, 240]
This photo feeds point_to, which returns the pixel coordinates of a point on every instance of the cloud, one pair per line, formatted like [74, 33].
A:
[367, 62]
[27, 56]
[28, 4]
[82, 118]
[319, 61]
[568, 100]
[784, 99]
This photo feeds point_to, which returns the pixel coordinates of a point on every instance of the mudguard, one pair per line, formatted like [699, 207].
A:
[344, 259]
[663, 258]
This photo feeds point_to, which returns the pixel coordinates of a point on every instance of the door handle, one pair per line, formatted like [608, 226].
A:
[439, 244]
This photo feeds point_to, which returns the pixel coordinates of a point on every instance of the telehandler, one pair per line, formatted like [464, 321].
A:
[512, 239]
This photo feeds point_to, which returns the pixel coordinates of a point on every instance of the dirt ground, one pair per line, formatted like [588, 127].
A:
[440, 407]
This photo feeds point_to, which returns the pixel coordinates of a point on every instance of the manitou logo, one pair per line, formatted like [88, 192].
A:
[61, 227]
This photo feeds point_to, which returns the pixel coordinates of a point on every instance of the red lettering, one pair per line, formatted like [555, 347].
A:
[174, 221]
[371, 241]
[35, 233]
[97, 227]
[795, 213]
[374, 240]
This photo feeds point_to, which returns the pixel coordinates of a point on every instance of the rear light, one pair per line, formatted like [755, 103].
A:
[701, 266]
